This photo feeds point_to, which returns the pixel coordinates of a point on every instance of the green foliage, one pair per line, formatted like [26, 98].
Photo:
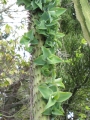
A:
[75, 73]
[69, 22]
[45, 24]
[45, 91]
[47, 58]
[54, 97]
[8, 62]
[7, 29]
[13, 77]
[27, 39]
[4, 1]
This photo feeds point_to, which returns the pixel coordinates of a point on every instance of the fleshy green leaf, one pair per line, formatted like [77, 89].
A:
[30, 35]
[64, 96]
[60, 35]
[50, 103]
[24, 41]
[20, 2]
[50, 17]
[59, 11]
[49, 43]
[46, 70]
[58, 82]
[51, 24]
[29, 49]
[52, 13]
[53, 59]
[55, 95]
[41, 25]
[53, 88]
[42, 32]
[45, 91]
[34, 5]
[52, 32]
[39, 3]
[57, 111]
[27, 38]
[59, 43]
[24, 2]
[45, 16]
[39, 60]
[34, 42]
[46, 52]
[47, 112]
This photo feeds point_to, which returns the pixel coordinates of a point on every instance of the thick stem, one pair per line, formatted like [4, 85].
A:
[81, 8]
[37, 104]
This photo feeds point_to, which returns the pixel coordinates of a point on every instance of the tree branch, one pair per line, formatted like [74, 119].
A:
[7, 8]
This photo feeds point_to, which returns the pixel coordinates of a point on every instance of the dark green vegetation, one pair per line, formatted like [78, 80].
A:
[14, 83]
[76, 72]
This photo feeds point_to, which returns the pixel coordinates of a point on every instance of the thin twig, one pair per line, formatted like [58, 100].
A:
[7, 8]
[8, 116]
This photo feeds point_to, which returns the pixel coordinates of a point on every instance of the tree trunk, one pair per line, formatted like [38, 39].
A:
[82, 10]
[36, 102]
